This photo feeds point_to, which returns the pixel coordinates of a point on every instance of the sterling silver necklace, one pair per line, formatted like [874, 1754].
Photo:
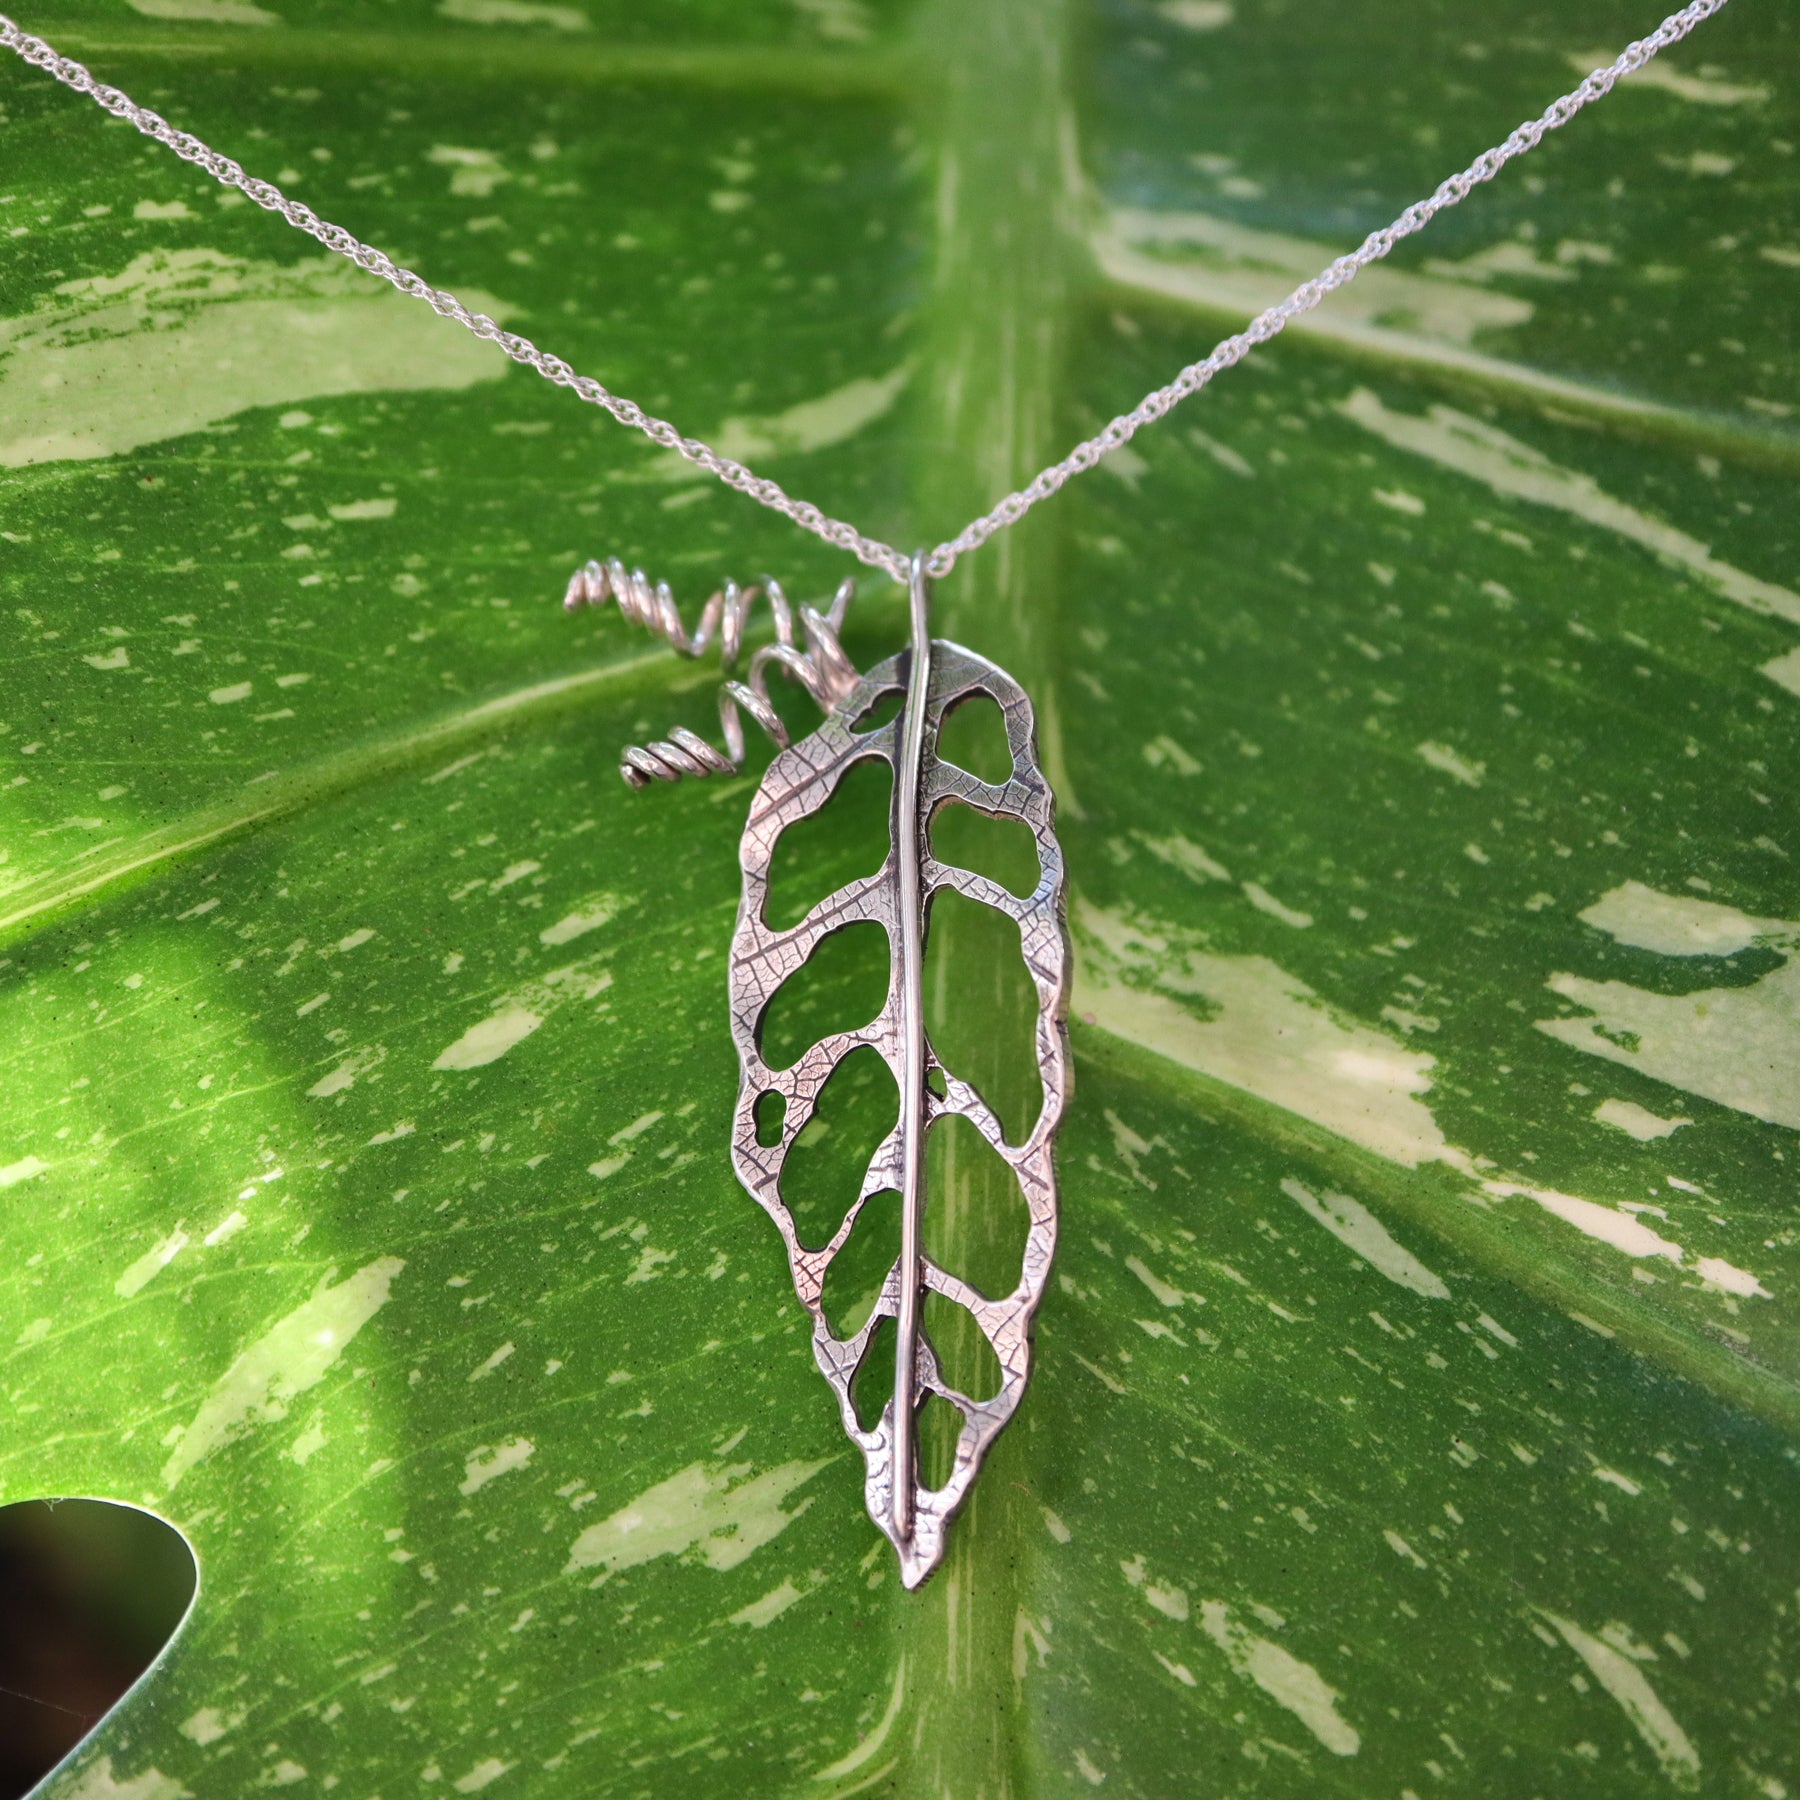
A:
[930, 677]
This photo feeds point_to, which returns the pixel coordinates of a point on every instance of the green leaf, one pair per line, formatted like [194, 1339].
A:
[1417, 1404]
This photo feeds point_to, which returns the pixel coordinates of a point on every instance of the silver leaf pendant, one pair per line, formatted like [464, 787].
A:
[932, 676]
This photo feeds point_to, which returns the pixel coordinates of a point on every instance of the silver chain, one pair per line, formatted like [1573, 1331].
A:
[868, 550]
[1308, 295]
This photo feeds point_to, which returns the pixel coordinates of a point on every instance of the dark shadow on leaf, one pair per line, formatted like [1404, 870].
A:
[883, 708]
[771, 1115]
[940, 1424]
[853, 1282]
[92, 1592]
[873, 1385]
[964, 1354]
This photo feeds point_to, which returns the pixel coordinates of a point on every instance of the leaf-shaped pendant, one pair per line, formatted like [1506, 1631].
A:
[933, 676]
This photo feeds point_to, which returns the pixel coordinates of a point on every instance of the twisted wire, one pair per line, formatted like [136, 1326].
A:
[868, 550]
[821, 668]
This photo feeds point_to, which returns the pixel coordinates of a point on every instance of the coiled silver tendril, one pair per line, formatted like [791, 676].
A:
[821, 668]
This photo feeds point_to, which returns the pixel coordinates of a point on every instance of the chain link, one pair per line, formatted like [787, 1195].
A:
[867, 550]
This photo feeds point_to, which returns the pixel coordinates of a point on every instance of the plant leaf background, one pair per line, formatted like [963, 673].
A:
[1416, 1405]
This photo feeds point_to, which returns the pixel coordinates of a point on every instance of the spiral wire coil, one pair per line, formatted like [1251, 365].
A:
[821, 668]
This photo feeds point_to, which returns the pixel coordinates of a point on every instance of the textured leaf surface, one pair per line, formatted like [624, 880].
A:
[912, 1504]
[1416, 1400]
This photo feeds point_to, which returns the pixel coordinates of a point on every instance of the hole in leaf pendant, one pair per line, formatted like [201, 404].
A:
[973, 737]
[1002, 849]
[840, 986]
[93, 1591]
[872, 1386]
[854, 1280]
[963, 1352]
[770, 1114]
[857, 1108]
[976, 1220]
[940, 1425]
[848, 837]
[880, 711]
[981, 1008]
